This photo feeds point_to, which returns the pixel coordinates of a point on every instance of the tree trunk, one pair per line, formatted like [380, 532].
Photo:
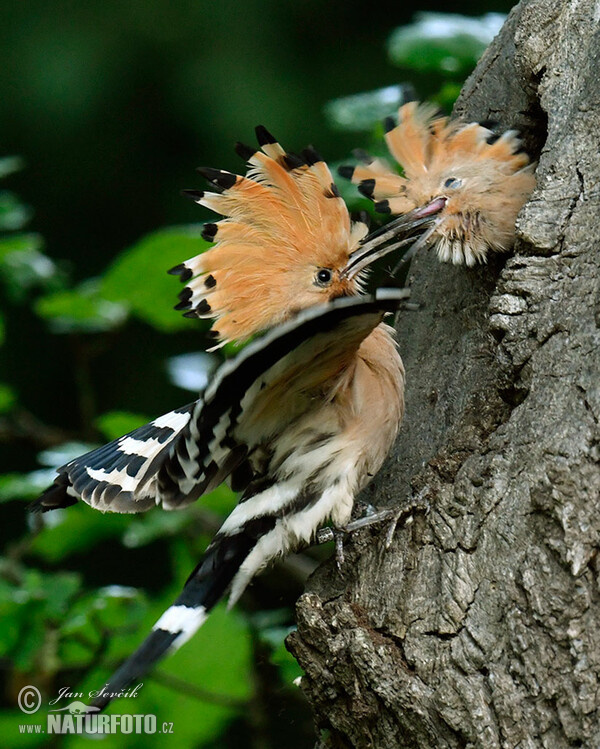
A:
[480, 626]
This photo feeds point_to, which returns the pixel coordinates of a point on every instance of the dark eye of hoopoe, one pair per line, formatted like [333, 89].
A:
[323, 277]
[453, 183]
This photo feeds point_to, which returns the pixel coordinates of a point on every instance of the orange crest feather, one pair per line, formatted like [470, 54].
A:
[484, 177]
[283, 221]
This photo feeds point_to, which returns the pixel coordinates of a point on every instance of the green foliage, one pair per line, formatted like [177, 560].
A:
[135, 278]
[445, 43]
[13, 214]
[133, 285]
[7, 394]
[81, 310]
[113, 424]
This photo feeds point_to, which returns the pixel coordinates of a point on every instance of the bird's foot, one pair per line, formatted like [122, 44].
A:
[324, 535]
[372, 516]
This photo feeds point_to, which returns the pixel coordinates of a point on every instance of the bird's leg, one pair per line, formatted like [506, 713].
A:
[372, 517]
[324, 535]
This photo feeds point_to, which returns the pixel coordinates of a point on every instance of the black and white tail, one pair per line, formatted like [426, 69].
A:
[204, 589]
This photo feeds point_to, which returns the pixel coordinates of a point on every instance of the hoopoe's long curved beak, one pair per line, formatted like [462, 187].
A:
[414, 227]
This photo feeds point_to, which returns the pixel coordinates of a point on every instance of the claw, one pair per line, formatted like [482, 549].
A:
[339, 550]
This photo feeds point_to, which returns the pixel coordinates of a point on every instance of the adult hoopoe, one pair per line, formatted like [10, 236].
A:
[300, 420]
[484, 177]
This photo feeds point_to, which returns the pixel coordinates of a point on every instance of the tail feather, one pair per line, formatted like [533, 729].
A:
[203, 590]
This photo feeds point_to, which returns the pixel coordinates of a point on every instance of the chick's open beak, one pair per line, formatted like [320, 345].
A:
[414, 227]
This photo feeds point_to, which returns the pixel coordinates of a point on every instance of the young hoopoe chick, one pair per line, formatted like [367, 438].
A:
[485, 179]
[299, 421]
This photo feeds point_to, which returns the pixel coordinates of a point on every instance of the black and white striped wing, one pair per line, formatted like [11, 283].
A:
[120, 476]
[255, 396]
[176, 458]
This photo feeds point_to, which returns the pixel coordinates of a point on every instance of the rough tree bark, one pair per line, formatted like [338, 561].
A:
[480, 627]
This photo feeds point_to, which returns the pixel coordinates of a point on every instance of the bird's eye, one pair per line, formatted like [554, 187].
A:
[453, 182]
[323, 277]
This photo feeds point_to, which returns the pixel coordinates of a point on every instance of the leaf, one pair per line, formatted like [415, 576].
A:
[361, 112]
[114, 424]
[81, 310]
[24, 485]
[145, 529]
[8, 397]
[447, 95]
[24, 265]
[272, 630]
[13, 214]
[20, 243]
[63, 453]
[115, 609]
[77, 529]
[221, 500]
[446, 43]
[288, 666]
[29, 601]
[9, 165]
[138, 278]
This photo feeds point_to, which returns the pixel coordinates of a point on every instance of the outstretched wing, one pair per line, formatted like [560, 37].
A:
[176, 458]
[121, 475]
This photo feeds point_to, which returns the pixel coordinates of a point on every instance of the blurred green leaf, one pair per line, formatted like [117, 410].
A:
[138, 277]
[114, 609]
[9, 165]
[75, 530]
[221, 500]
[447, 95]
[20, 243]
[445, 43]
[63, 453]
[24, 485]
[8, 397]
[288, 666]
[361, 112]
[9, 722]
[13, 214]
[24, 265]
[114, 424]
[147, 528]
[271, 629]
[81, 310]
[29, 601]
